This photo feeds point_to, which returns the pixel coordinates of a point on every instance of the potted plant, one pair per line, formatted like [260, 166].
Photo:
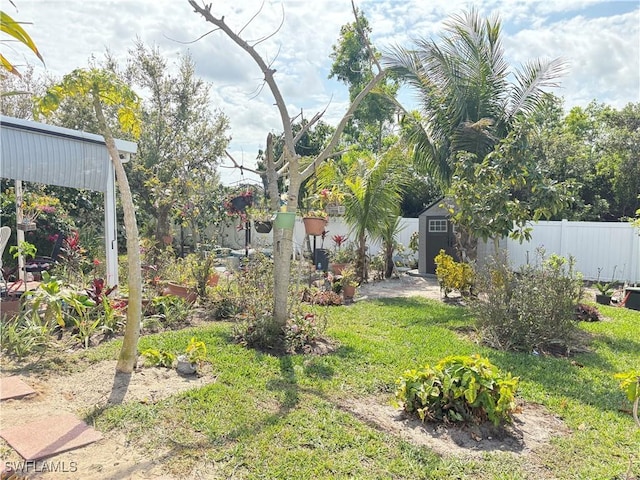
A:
[314, 222]
[349, 282]
[340, 256]
[262, 219]
[194, 356]
[32, 207]
[605, 289]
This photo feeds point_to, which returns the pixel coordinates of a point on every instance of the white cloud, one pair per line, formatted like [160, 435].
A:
[603, 49]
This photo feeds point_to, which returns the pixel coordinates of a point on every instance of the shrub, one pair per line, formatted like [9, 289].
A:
[302, 330]
[453, 275]
[458, 389]
[532, 309]
[24, 336]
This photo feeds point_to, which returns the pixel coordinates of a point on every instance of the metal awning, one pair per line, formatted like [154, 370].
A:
[41, 153]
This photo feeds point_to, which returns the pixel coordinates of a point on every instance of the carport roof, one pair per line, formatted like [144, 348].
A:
[37, 152]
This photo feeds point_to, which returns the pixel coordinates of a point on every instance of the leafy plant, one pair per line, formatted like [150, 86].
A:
[174, 310]
[630, 385]
[605, 288]
[24, 249]
[302, 330]
[531, 309]
[453, 275]
[196, 351]
[24, 336]
[458, 389]
[159, 358]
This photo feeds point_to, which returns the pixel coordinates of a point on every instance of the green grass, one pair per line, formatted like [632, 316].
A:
[270, 417]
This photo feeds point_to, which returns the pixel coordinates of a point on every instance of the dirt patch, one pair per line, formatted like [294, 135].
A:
[532, 429]
[80, 393]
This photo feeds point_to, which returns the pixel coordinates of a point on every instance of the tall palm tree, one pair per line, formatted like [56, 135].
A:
[373, 187]
[468, 102]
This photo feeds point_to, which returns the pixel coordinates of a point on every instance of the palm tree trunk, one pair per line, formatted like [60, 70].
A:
[128, 353]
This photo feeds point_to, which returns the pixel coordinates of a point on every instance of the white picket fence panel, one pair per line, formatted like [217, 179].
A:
[611, 248]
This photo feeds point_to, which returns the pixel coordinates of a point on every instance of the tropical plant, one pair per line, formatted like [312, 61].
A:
[458, 389]
[103, 88]
[373, 188]
[453, 275]
[159, 358]
[467, 101]
[302, 330]
[630, 385]
[13, 29]
[196, 352]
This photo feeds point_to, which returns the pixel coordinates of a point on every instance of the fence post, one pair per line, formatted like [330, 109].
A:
[564, 237]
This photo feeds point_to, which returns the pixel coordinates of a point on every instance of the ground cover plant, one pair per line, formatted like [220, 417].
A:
[293, 416]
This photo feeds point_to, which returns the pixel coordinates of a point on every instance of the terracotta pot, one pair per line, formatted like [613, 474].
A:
[213, 279]
[180, 291]
[10, 307]
[167, 239]
[348, 291]
[337, 268]
[314, 225]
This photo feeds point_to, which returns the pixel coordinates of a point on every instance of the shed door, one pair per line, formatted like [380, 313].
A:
[439, 236]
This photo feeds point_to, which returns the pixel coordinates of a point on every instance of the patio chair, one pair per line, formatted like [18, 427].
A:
[40, 264]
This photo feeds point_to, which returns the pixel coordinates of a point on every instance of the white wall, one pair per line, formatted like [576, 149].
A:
[594, 245]
[232, 238]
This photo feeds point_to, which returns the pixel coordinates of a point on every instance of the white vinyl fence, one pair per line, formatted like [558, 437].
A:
[336, 226]
[608, 247]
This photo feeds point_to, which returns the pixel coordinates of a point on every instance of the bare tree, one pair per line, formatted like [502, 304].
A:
[288, 164]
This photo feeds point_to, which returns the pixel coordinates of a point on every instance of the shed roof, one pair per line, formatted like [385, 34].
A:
[37, 152]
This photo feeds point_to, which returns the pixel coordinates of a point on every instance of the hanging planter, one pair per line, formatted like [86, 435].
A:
[241, 202]
[263, 226]
[314, 225]
[285, 220]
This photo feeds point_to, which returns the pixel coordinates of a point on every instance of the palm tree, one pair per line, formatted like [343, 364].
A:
[468, 102]
[373, 187]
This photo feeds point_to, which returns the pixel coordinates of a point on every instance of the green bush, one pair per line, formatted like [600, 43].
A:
[532, 309]
[453, 275]
[458, 389]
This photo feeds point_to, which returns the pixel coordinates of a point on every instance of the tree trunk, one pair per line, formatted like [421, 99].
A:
[163, 227]
[128, 353]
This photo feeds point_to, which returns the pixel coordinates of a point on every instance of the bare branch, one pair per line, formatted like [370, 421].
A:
[267, 72]
[238, 165]
[276, 31]
[364, 37]
[191, 41]
[252, 18]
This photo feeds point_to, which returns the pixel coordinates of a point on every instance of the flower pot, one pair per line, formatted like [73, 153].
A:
[167, 239]
[285, 220]
[314, 225]
[337, 268]
[348, 291]
[241, 203]
[262, 226]
[603, 299]
[10, 307]
[180, 291]
[213, 280]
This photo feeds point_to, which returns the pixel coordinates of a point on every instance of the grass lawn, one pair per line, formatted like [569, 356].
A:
[270, 417]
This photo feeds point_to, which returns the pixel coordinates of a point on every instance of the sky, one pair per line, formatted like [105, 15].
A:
[600, 40]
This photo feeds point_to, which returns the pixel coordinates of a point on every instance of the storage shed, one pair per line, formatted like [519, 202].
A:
[435, 232]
